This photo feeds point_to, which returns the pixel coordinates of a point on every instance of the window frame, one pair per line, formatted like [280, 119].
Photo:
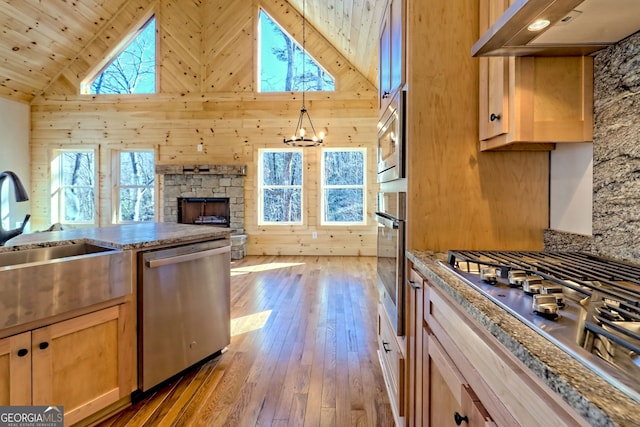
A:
[116, 185]
[57, 212]
[261, 187]
[324, 187]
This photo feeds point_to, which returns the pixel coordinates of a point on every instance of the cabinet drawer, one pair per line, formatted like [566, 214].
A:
[392, 361]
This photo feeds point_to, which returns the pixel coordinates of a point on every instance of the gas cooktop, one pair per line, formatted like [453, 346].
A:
[598, 313]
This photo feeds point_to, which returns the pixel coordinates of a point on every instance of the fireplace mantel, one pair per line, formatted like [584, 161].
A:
[201, 169]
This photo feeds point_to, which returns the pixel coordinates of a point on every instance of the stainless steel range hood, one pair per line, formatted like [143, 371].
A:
[576, 27]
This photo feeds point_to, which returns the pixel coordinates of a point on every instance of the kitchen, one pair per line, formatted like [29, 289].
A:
[457, 197]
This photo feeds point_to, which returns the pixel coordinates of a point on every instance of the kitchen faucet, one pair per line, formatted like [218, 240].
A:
[21, 196]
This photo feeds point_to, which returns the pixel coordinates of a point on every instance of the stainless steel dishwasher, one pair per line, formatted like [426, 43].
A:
[183, 308]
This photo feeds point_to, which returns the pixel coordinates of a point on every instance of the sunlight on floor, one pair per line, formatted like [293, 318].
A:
[262, 267]
[251, 322]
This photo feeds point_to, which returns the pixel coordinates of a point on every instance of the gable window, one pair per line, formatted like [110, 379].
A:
[343, 186]
[280, 186]
[134, 174]
[282, 61]
[73, 187]
[133, 70]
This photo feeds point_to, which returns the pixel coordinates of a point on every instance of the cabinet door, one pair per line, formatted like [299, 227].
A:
[15, 370]
[397, 44]
[76, 363]
[494, 97]
[414, 348]
[384, 62]
[451, 400]
[494, 79]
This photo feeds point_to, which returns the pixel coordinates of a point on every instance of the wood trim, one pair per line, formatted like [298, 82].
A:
[451, 375]
[19, 368]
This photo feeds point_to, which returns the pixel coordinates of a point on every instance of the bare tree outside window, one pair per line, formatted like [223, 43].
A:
[136, 186]
[343, 186]
[281, 62]
[281, 186]
[75, 194]
[134, 69]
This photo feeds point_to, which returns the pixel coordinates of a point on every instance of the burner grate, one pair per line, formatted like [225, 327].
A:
[582, 272]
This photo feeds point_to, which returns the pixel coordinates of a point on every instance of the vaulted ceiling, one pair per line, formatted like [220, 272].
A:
[39, 39]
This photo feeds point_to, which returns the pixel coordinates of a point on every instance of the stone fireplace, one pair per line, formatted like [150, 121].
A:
[208, 193]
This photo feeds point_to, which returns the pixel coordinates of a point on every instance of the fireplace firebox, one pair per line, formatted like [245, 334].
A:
[204, 211]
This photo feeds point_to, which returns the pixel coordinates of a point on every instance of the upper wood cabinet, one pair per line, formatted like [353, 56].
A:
[391, 65]
[530, 103]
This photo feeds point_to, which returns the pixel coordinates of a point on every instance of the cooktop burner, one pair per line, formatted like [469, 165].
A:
[596, 317]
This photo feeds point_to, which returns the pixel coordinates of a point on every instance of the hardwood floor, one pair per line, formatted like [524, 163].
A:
[302, 353]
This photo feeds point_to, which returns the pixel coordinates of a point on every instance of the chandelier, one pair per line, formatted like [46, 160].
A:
[305, 134]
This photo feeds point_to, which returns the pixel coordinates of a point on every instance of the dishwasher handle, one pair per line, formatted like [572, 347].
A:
[159, 262]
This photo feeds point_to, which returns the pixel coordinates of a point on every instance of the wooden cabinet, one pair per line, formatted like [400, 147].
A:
[392, 362]
[15, 366]
[452, 364]
[415, 326]
[83, 363]
[530, 103]
[451, 399]
[437, 393]
[391, 60]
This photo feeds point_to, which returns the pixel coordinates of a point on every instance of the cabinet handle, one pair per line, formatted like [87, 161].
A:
[23, 352]
[414, 286]
[493, 117]
[43, 345]
[459, 419]
[385, 94]
[384, 345]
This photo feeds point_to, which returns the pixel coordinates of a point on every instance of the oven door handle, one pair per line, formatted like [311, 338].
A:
[387, 221]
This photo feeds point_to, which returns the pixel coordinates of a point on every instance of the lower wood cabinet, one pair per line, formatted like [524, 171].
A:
[392, 362]
[460, 375]
[452, 402]
[84, 364]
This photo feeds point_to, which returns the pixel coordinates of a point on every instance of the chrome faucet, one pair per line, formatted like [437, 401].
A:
[21, 196]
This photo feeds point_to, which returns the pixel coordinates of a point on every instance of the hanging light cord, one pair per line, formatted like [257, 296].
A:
[299, 137]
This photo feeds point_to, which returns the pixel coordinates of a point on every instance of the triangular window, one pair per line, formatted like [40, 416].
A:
[283, 66]
[133, 70]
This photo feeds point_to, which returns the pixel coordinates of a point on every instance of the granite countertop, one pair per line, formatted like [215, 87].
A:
[599, 402]
[126, 236]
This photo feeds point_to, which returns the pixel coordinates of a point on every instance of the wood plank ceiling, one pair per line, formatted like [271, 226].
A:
[40, 38]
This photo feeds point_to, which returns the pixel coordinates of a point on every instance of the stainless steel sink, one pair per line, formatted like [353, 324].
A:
[39, 283]
[26, 256]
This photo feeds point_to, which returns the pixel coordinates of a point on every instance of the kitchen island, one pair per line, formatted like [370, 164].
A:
[577, 388]
[71, 335]
[125, 237]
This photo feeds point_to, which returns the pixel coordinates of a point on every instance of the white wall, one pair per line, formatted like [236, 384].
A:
[14, 152]
[571, 188]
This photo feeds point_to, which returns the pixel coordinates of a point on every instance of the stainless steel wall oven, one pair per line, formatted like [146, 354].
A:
[391, 253]
[391, 164]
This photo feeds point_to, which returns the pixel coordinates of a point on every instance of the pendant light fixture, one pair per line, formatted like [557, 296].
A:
[305, 133]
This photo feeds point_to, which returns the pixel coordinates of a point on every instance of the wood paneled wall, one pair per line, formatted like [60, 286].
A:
[457, 196]
[207, 80]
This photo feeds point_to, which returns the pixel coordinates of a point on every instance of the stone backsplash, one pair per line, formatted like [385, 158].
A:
[616, 158]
